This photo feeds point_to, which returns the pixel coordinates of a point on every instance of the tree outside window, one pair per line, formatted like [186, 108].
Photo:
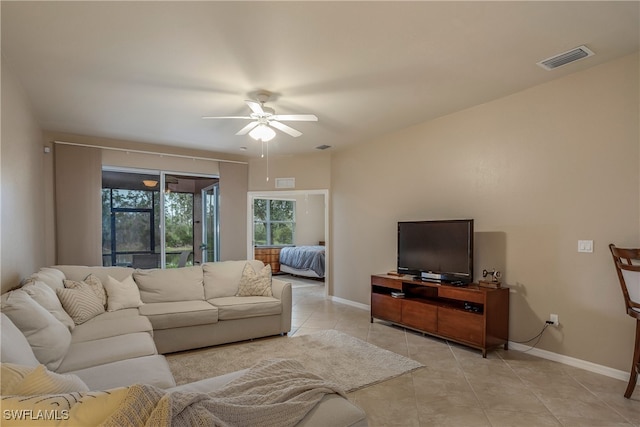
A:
[273, 222]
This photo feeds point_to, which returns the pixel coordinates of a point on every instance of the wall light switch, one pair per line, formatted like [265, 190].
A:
[585, 245]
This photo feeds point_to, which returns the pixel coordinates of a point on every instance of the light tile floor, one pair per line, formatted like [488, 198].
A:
[457, 387]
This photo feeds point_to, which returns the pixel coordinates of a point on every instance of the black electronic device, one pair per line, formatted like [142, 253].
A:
[439, 251]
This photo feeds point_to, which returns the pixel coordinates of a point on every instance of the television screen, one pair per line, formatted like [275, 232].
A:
[442, 248]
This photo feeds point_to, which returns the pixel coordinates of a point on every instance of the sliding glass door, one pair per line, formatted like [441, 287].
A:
[210, 229]
[157, 219]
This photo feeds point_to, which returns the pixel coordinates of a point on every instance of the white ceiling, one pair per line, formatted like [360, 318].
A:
[147, 71]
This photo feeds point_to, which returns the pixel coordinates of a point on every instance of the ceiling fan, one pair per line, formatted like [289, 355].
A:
[265, 119]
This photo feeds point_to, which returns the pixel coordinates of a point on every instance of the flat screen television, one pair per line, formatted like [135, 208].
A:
[436, 250]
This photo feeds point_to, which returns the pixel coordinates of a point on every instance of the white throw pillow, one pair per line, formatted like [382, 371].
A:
[123, 294]
[52, 277]
[46, 297]
[255, 284]
[15, 348]
[29, 381]
[80, 301]
[48, 337]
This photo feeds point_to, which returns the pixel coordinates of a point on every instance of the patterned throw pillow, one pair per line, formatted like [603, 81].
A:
[95, 283]
[255, 284]
[80, 301]
[97, 287]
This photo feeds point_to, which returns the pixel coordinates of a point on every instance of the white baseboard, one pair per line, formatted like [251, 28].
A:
[544, 354]
[572, 361]
[351, 303]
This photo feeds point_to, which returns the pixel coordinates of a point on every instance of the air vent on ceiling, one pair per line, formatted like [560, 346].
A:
[322, 147]
[565, 58]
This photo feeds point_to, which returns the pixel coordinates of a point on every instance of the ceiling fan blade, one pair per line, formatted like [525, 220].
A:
[255, 106]
[296, 117]
[227, 117]
[245, 130]
[284, 128]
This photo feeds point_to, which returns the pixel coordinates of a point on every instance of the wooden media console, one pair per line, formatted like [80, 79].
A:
[471, 315]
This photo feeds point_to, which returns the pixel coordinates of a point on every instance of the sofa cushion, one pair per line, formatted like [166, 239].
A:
[28, 381]
[47, 298]
[221, 279]
[52, 277]
[14, 347]
[46, 335]
[152, 370]
[255, 283]
[80, 272]
[80, 301]
[168, 315]
[122, 294]
[85, 354]
[120, 314]
[171, 284]
[230, 308]
[111, 327]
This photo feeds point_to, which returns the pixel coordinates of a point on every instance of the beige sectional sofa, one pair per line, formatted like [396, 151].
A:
[180, 309]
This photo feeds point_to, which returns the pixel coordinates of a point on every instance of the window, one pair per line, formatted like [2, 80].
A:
[273, 222]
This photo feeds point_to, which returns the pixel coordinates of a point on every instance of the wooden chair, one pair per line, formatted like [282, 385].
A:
[629, 260]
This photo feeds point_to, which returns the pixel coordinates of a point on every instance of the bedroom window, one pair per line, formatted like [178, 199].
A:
[273, 222]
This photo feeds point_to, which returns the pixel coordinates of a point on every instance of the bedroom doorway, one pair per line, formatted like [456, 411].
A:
[296, 221]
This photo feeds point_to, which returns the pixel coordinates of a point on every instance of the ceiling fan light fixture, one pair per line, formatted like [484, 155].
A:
[262, 133]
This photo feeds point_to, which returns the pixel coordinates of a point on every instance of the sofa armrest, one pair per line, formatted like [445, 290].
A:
[282, 291]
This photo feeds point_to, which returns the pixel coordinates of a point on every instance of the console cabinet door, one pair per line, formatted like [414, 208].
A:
[460, 325]
[420, 316]
[386, 307]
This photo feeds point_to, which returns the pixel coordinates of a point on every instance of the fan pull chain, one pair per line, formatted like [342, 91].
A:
[267, 162]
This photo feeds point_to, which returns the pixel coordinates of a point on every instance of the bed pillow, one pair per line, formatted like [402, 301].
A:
[255, 284]
[29, 381]
[48, 337]
[123, 294]
[80, 301]
[47, 298]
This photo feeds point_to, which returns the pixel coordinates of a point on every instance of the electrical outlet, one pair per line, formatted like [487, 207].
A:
[553, 318]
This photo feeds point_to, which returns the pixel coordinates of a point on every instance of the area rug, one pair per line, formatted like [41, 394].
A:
[333, 355]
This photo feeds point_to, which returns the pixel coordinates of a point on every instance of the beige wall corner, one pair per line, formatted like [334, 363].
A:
[541, 169]
[23, 196]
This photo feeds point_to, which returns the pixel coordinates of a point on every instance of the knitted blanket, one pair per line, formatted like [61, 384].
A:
[277, 392]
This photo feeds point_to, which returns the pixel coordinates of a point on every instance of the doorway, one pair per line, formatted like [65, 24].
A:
[306, 232]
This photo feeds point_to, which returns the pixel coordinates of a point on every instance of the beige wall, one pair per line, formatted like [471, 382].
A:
[539, 170]
[309, 219]
[311, 171]
[22, 239]
[234, 180]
